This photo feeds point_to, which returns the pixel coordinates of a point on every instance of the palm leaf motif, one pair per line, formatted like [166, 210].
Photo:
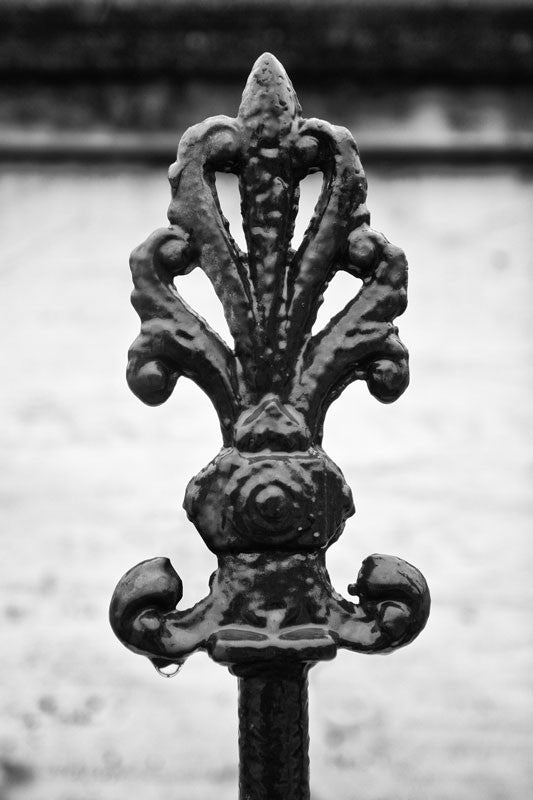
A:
[271, 294]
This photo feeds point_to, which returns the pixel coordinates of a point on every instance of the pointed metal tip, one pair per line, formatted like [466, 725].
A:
[269, 73]
[268, 61]
[269, 92]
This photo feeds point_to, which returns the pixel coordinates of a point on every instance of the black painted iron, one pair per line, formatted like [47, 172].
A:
[271, 502]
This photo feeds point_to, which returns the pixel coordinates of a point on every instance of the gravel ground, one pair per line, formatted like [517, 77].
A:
[93, 483]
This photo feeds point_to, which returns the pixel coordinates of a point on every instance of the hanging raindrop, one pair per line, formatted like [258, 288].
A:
[166, 670]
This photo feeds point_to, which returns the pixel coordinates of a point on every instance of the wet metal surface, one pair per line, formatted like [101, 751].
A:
[271, 502]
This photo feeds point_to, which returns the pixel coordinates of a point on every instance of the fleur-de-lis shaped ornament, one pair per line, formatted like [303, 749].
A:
[271, 502]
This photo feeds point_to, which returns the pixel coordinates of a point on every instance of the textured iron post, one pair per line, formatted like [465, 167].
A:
[271, 502]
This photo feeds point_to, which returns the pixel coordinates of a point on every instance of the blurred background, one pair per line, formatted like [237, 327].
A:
[94, 97]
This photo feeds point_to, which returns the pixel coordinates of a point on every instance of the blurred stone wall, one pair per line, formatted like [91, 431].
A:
[120, 78]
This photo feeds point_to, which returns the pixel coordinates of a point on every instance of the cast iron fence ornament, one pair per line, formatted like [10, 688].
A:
[271, 502]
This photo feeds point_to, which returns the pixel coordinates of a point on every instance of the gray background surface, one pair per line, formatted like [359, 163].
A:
[93, 482]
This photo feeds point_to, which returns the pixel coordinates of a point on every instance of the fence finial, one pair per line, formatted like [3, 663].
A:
[271, 502]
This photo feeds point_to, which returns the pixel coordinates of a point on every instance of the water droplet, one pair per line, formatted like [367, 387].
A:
[167, 670]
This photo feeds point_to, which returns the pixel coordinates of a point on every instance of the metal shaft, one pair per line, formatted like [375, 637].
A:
[274, 733]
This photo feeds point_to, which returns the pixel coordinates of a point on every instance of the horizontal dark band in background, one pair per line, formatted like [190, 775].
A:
[400, 41]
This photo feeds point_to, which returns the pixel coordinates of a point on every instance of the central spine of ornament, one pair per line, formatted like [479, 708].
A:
[273, 732]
